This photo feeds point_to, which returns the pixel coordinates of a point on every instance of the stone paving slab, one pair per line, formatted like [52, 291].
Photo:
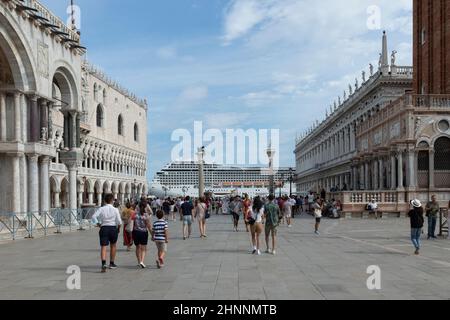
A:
[330, 266]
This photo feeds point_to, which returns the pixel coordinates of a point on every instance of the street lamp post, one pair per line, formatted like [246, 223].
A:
[271, 154]
[290, 181]
[281, 184]
[201, 174]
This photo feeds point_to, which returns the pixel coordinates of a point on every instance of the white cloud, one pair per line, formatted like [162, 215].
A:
[229, 120]
[241, 17]
[167, 52]
[194, 93]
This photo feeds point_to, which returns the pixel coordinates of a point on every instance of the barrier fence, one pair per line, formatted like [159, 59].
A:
[31, 224]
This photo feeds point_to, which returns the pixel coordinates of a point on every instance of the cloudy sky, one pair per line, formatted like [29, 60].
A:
[250, 64]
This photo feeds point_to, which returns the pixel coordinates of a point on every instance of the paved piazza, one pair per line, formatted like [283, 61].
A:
[332, 266]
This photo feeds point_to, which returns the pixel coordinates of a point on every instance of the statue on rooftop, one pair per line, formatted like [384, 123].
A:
[371, 69]
[393, 58]
[364, 76]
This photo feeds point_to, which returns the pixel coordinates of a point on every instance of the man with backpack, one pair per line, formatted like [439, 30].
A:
[272, 217]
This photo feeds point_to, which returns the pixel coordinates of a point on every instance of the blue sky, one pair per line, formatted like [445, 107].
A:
[260, 64]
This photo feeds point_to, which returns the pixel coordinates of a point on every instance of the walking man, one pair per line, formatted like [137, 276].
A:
[272, 214]
[188, 218]
[108, 219]
[432, 211]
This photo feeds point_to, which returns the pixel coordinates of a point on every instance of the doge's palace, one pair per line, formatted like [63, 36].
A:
[68, 133]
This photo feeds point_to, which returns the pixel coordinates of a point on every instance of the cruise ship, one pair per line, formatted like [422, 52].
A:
[181, 179]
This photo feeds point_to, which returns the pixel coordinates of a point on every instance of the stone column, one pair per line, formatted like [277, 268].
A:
[80, 198]
[381, 174]
[375, 182]
[99, 199]
[33, 176]
[34, 119]
[56, 200]
[2, 116]
[431, 168]
[366, 176]
[412, 173]
[400, 170]
[341, 181]
[45, 184]
[16, 192]
[17, 119]
[91, 197]
[24, 182]
[44, 117]
[24, 117]
[393, 173]
[73, 205]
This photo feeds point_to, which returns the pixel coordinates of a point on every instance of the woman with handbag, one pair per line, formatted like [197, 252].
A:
[200, 214]
[255, 219]
[128, 224]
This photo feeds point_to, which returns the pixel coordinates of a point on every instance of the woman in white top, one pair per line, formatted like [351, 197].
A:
[200, 214]
[172, 210]
[255, 219]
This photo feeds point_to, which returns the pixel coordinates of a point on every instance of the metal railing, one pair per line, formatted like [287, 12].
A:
[28, 225]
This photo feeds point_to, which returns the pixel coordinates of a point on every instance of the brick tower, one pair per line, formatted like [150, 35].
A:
[432, 46]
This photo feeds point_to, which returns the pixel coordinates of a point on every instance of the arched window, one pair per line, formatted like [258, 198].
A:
[99, 116]
[442, 154]
[95, 92]
[120, 126]
[136, 132]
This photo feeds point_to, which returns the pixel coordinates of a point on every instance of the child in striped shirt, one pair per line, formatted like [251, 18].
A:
[160, 235]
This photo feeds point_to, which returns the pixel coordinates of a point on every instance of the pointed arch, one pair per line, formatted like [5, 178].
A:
[120, 130]
[136, 132]
[100, 116]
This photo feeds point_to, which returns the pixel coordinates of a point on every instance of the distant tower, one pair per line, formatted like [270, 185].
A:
[431, 46]
[384, 63]
[271, 154]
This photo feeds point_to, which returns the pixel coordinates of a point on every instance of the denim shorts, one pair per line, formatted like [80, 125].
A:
[187, 220]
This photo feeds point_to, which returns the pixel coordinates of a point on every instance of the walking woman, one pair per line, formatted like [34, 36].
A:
[318, 209]
[172, 209]
[127, 214]
[255, 220]
[142, 226]
[246, 204]
[417, 221]
[200, 214]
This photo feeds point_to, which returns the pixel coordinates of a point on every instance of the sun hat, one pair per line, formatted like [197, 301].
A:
[416, 203]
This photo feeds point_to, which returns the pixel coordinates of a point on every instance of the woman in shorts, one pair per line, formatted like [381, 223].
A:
[255, 220]
[142, 226]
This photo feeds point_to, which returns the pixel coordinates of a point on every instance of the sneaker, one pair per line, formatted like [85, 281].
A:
[258, 252]
[274, 252]
[317, 233]
[104, 268]
[113, 266]
[142, 265]
[184, 238]
[161, 263]
[254, 251]
[290, 226]
[417, 252]
[158, 264]
[267, 251]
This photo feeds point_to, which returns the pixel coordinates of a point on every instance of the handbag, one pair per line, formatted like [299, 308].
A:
[207, 214]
